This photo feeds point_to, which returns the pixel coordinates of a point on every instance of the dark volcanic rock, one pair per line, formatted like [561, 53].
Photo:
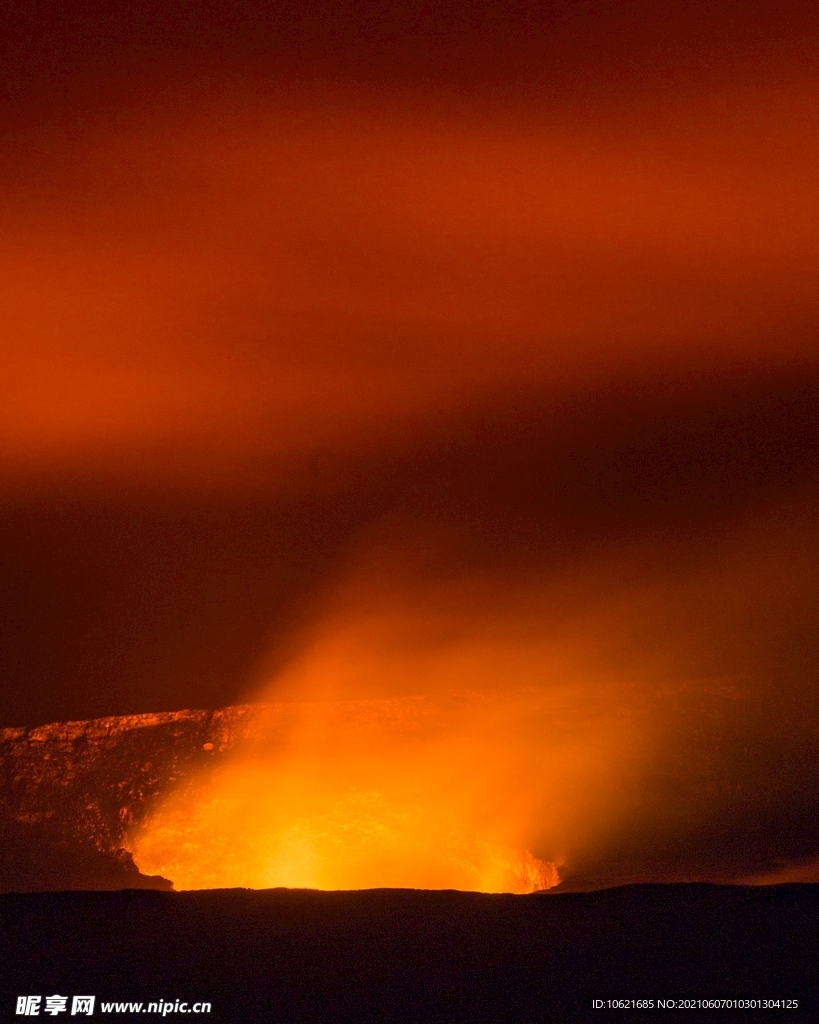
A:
[384, 956]
[70, 790]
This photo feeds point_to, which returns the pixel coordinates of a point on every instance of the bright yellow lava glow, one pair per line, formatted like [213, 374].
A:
[358, 795]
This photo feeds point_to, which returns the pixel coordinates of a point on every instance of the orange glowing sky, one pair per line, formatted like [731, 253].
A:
[213, 290]
[363, 352]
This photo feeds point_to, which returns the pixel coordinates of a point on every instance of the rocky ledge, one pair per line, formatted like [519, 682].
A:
[71, 790]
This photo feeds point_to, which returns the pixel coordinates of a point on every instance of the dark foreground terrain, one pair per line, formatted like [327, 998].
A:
[403, 955]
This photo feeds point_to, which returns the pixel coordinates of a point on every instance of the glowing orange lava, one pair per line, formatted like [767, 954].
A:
[358, 794]
[511, 762]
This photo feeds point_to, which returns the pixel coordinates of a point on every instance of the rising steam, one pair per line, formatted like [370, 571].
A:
[496, 733]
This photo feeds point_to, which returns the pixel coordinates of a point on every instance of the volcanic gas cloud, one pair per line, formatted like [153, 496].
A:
[600, 721]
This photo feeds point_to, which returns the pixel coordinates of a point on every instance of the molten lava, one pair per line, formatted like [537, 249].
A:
[356, 794]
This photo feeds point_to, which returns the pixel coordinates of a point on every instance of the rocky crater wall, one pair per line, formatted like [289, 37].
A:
[69, 791]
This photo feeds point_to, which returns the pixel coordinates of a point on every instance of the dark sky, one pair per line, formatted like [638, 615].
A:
[520, 297]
